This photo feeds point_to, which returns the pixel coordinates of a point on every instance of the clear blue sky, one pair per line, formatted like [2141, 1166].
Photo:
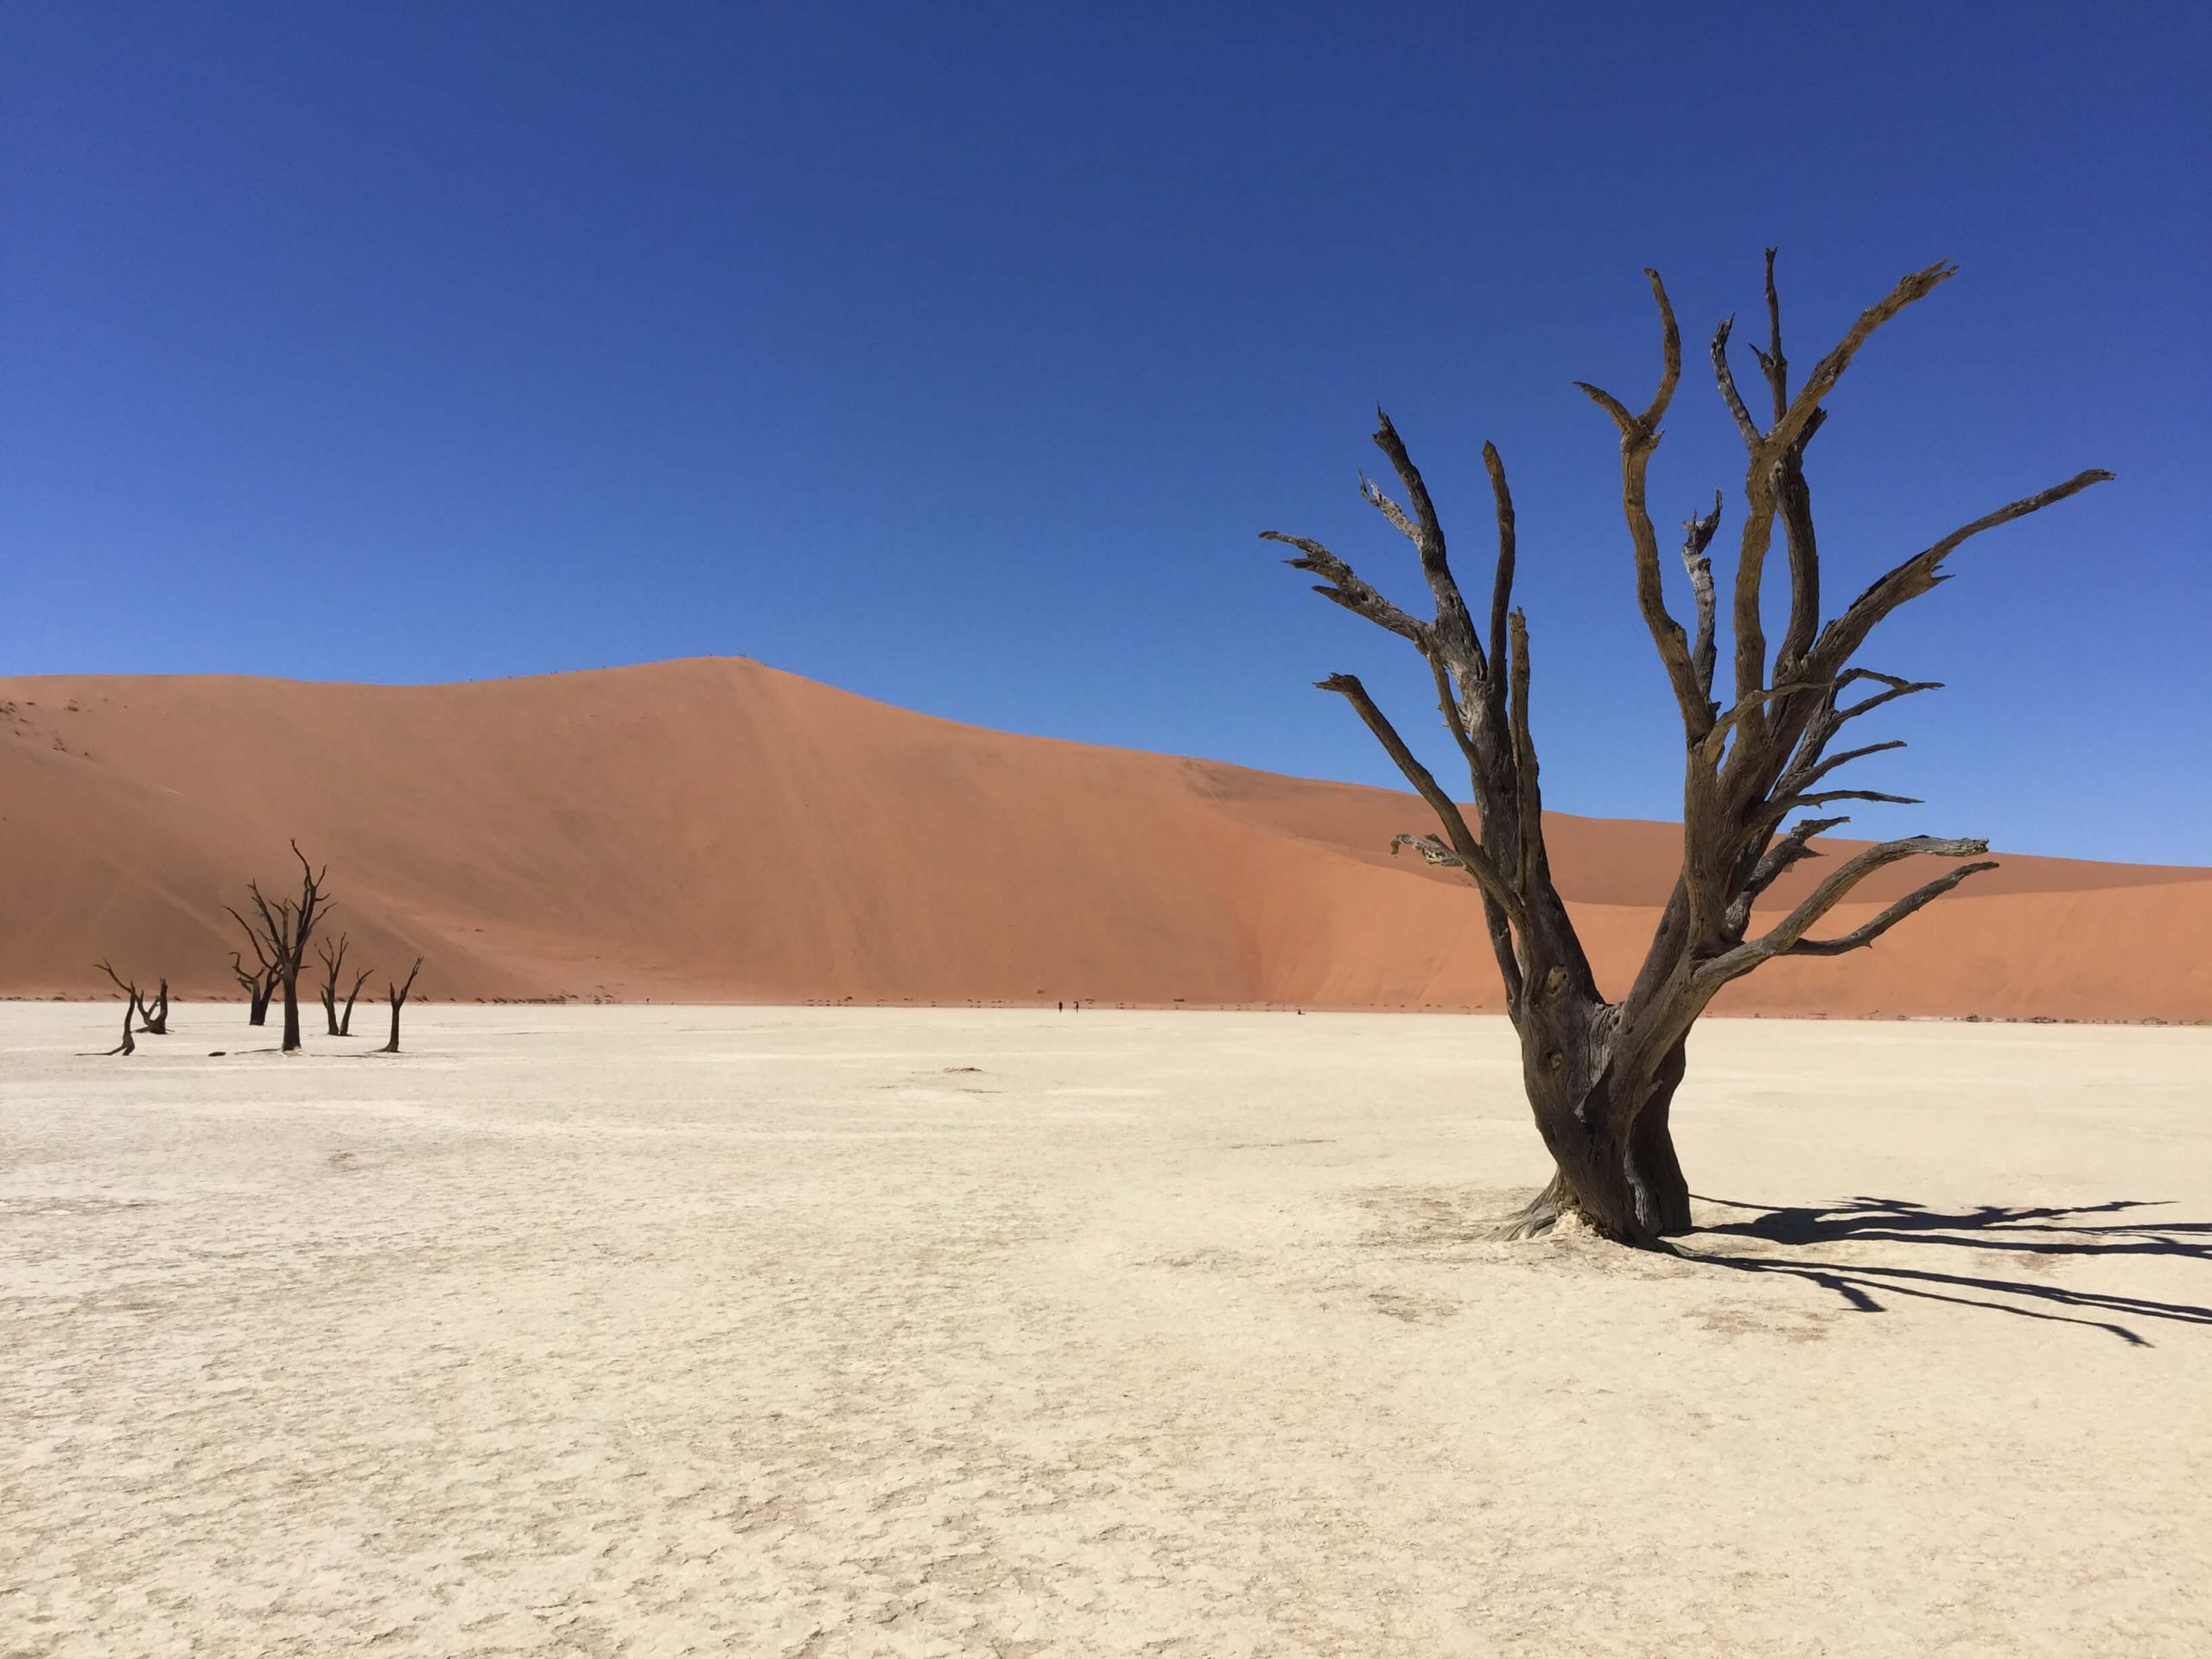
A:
[955, 355]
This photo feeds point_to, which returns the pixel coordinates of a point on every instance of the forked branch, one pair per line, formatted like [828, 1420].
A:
[1341, 585]
[1922, 572]
[1860, 937]
[1790, 931]
[1639, 436]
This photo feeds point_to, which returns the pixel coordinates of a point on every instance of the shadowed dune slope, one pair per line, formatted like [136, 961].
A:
[713, 828]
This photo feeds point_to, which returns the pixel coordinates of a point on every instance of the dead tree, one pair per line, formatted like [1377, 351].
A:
[133, 1010]
[281, 933]
[258, 982]
[157, 1012]
[346, 1014]
[398, 995]
[1600, 1075]
[334, 960]
[130, 987]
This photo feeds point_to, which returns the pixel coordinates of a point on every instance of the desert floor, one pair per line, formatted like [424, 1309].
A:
[811, 1332]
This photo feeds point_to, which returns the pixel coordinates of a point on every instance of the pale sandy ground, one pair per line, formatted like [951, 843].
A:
[664, 1330]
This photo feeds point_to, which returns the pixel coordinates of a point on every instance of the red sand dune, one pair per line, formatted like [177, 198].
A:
[714, 829]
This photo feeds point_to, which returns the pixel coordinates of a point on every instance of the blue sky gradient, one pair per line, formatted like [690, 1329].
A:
[956, 355]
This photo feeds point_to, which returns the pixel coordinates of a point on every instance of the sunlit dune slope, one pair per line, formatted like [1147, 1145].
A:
[714, 829]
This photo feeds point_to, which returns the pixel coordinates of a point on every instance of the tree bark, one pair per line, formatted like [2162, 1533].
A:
[291, 1013]
[1662, 1192]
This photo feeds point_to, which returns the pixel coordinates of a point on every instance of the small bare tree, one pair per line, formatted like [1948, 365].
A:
[132, 1009]
[398, 995]
[352, 994]
[151, 1014]
[259, 982]
[281, 933]
[157, 1012]
[333, 962]
[1600, 1075]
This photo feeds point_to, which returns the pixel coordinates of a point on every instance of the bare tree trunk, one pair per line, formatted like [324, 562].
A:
[155, 1014]
[291, 1013]
[1663, 1193]
[345, 1019]
[127, 1046]
[334, 962]
[258, 982]
[398, 995]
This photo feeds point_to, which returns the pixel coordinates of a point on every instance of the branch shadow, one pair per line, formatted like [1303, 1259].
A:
[2033, 1231]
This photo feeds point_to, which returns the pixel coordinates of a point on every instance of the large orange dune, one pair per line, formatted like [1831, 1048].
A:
[715, 829]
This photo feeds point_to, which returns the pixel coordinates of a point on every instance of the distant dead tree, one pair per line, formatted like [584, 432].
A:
[153, 1012]
[259, 983]
[398, 995]
[334, 962]
[1601, 1074]
[281, 933]
[133, 1010]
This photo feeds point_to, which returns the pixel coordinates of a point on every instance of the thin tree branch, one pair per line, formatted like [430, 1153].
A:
[1341, 585]
[1746, 706]
[1454, 629]
[1790, 421]
[1897, 688]
[1860, 937]
[1670, 347]
[1726, 378]
[1389, 508]
[1529, 796]
[1824, 898]
[1772, 361]
[1448, 703]
[1824, 796]
[1762, 480]
[1783, 856]
[1639, 435]
[1800, 783]
[1431, 850]
[1921, 572]
[1697, 535]
[1476, 859]
[1501, 588]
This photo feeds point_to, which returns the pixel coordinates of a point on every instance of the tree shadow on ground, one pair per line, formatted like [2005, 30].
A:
[1787, 1239]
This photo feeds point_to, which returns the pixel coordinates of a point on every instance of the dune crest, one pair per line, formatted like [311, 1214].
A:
[714, 829]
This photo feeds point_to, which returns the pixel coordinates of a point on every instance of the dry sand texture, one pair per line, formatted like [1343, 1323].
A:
[714, 829]
[681, 1330]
